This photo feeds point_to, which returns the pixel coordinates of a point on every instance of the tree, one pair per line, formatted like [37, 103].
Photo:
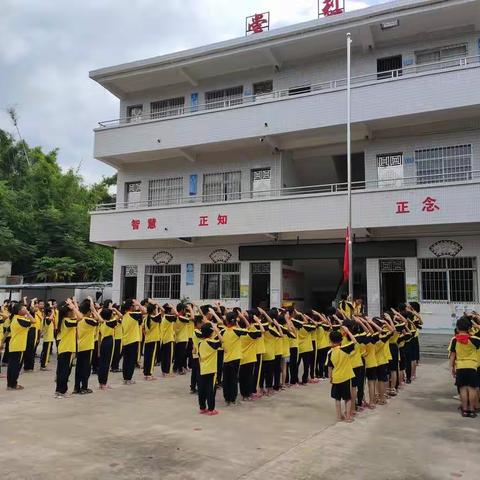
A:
[55, 269]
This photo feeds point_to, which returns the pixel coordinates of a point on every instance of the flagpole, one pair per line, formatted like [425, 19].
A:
[349, 174]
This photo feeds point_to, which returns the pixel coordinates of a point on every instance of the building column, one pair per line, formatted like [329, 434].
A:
[245, 287]
[276, 283]
[373, 287]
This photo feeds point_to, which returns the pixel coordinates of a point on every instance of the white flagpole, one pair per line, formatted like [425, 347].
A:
[349, 175]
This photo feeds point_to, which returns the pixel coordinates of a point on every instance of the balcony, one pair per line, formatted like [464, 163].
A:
[426, 88]
[437, 200]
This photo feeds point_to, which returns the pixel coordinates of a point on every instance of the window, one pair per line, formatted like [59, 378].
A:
[225, 97]
[448, 279]
[133, 192]
[220, 280]
[162, 281]
[222, 187]
[134, 113]
[299, 90]
[167, 108]
[389, 67]
[261, 88]
[441, 53]
[444, 164]
[165, 191]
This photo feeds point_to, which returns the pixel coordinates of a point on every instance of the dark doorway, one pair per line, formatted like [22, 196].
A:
[129, 282]
[386, 65]
[260, 282]
[393, 289]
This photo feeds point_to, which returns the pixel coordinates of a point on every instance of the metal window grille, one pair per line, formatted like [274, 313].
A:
[226, 97]
[134, 113]
[441, 53]
[165, 191]
[222, 187]
[448, 279]
[162, 281]
[220, 280]
[167, 108]
[444, 164]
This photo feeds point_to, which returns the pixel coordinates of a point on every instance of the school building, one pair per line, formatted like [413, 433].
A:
[232, 168]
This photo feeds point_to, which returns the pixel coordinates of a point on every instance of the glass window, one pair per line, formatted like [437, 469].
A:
[225, 97]
[441, 53]
[222, 187]
[167, 108]
[165, 191]
[162, 281]
[220, 280]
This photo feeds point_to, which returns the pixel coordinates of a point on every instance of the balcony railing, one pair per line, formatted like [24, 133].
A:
[421, 181]
[228, 103]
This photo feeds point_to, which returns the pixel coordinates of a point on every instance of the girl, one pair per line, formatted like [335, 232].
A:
[109, 316]
[20, 322]
[48, 337]
[152, 337]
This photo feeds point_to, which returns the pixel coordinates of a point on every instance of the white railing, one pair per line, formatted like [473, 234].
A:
[323, 87]
[304, 190]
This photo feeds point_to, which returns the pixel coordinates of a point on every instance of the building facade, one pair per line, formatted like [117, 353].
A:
[232, 168]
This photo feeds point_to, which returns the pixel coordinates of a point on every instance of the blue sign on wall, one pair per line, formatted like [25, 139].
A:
[189, 275]
[192, 188]
[407, 62]
[194, 102]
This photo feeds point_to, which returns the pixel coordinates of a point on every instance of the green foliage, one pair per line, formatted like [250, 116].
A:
[44, 217]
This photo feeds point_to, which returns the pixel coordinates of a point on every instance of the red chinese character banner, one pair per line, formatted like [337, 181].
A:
[258, 23]
[327, 8]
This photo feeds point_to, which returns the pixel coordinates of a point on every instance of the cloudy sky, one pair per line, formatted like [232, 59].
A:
[48, 47]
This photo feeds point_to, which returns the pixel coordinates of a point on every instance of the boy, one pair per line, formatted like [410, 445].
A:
[207, 354]
[340, 372]
[463, 362]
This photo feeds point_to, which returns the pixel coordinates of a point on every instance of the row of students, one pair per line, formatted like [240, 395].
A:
[464, 355]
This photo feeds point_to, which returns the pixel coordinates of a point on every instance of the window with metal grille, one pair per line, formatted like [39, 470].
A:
[440, 53]
[162, 281]
[225, 97]
[220, 280]
[167, 108]
[448, 279]
[165, 191]
[444, 164]
[134, 113]
[222, 187]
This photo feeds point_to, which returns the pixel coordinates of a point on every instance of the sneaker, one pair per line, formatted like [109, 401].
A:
[211, 413]
[202, 411]
[59, 395]
[86, 391]
[45, 369]
[76, 392]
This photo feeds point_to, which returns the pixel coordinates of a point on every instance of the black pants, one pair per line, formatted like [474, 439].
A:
[219, 366]
[82, 369]
[45, 355]
[15, 360]
[106, 353]
[407, 351]
[230, 380]
[6, 351]
[149, 354]
[267, 373]
[95, 357]
[206, 391]
[313, 360]
[195, 374]
[130, 353]
[306, 360]
[247, 379]
[293, 366]
[360, 385]
[257, 372]
[158, 355]
[64, 366]
[322, 369]
[180, 362]
[167, 355]
[277, 372]
[29, 357]
[117, 354]
[189, 353]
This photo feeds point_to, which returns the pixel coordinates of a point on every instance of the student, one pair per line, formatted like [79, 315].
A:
[152, 337]
[181, 329]
[323, 345]
[232, 347]
[118, 334]
[382, 354]
[248, 360]
[29, 358]
[345, 306]
[20, 323]
[340, 372]
[464, 364]
[48, 337]
[272, 332]
[305, 346]
[207, 354]
[131, 321]
[68, 316]
[3, 318]
[195, 366]
[294, 353]
[109, 316]
[167, 337]
[6, 330]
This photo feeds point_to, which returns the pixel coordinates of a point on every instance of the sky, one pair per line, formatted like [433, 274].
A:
[48, 47]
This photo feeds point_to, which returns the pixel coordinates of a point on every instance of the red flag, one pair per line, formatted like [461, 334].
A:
[346, 258]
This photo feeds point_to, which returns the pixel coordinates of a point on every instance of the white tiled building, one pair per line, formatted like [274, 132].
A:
[231, 164]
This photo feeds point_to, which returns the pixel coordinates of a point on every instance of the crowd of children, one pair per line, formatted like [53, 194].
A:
[253, 353]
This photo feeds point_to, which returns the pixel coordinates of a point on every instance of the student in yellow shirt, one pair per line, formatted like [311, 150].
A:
[107, 331]
[152, 337]
[167, 337]
[48, 337]
[6, 331]
[305, 346]
[207, 354]
[272, 332]
[118, 333]
[33, 332]
[181, 329]
[340, 372]
[198, 321]
[68, 316]
[20, 323]
[3, 318]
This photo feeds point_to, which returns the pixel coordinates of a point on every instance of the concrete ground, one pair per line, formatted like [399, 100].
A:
[152, 430]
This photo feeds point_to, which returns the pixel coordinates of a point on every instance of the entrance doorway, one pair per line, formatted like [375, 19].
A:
[386, 65]
[392, 283]
[260, 282]
[129, 282]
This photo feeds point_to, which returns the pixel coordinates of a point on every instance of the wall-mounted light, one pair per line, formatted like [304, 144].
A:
[390, 24]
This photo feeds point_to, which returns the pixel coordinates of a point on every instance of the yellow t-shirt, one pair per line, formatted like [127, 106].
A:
[166, 328]
[249, 345]
[232, 343]
[207, 354]
[152, 329]
[86, 330]
[67, 336]
[48, 330]
[131, 323]
[182, 329]
[19, 327]
[338, 358]
[466, 354]
[107, 329]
